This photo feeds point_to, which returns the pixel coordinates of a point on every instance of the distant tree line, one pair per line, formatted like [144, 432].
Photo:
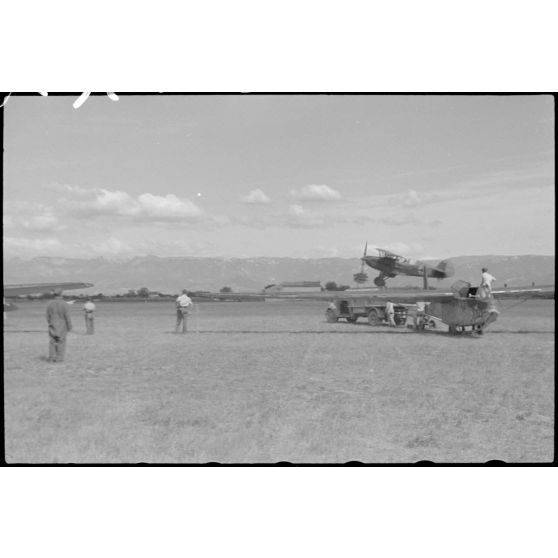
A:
[333, 286]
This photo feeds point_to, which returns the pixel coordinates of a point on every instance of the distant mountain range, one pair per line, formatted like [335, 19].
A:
[170, 275]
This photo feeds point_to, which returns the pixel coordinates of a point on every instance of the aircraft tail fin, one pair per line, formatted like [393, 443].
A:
[446, 269]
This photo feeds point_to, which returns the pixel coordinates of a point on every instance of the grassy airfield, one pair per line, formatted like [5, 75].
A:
[257, 382]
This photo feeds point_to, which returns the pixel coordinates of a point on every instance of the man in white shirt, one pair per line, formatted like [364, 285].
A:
[485, 290]
[88, 310]
[390, 313]
[183, 304]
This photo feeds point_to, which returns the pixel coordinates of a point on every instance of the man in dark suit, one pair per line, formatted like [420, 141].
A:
[59, 323]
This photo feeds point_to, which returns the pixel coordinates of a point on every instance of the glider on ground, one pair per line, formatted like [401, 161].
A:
[460, 308]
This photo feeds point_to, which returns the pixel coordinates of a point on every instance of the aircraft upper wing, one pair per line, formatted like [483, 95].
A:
[408, 297]
[231, 297]
[396, 296]
[412, 297]
[38, 288]
[405, 297]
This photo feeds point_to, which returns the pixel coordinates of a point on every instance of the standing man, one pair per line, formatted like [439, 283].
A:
[88, 310]
[485, 290]
[420, 315]
[183, 303]
[59, 323]
[390, 313]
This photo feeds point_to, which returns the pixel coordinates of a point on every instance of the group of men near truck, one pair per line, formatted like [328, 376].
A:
[419, 318]
[387, 312]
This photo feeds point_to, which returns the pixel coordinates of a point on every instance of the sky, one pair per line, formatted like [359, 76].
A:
[426, 176]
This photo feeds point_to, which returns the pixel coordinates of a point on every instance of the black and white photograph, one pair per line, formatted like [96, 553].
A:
[278, 278]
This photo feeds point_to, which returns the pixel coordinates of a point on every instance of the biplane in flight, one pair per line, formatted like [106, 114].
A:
[391, 265]
[37, 288]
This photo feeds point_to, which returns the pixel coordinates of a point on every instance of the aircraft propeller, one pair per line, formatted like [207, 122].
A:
[363, 256]
[362, 277]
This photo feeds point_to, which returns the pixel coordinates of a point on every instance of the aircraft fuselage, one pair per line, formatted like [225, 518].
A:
[464, 312]
[390, 267]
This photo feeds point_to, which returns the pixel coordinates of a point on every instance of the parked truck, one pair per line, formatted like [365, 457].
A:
[351, 309]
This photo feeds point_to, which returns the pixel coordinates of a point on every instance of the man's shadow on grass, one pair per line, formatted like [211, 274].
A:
[368, 331]
[46, 359]
[73, 333]
[24, 331]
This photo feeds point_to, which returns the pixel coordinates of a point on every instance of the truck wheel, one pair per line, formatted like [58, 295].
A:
[330, 316]
[351, 320]
[373, 317]
[432, 324]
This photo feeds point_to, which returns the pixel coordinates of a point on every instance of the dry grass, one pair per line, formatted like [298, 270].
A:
[264, 382]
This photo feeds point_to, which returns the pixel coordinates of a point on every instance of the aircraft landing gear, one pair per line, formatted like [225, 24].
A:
[459, 330]
[478, 329]
[379, 281]
[374, 317]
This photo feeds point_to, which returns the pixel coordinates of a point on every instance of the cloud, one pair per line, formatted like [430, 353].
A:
[8, 222]
[110, 246]
[299, 217]
[103, 202]
[316, 192]
[97, 201]
[30, 216]
[411, 198]
[408, 219]
[167, 207]
[318, 251]
[256, 196]
[221, 220]
[398, 221]
[42, 223]
[296, 211]
[15, 244]
[532, 175]
[107, 201]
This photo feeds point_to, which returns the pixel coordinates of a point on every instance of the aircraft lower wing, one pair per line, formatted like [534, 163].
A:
[541, 292]
[38, 288]
[398, 296]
